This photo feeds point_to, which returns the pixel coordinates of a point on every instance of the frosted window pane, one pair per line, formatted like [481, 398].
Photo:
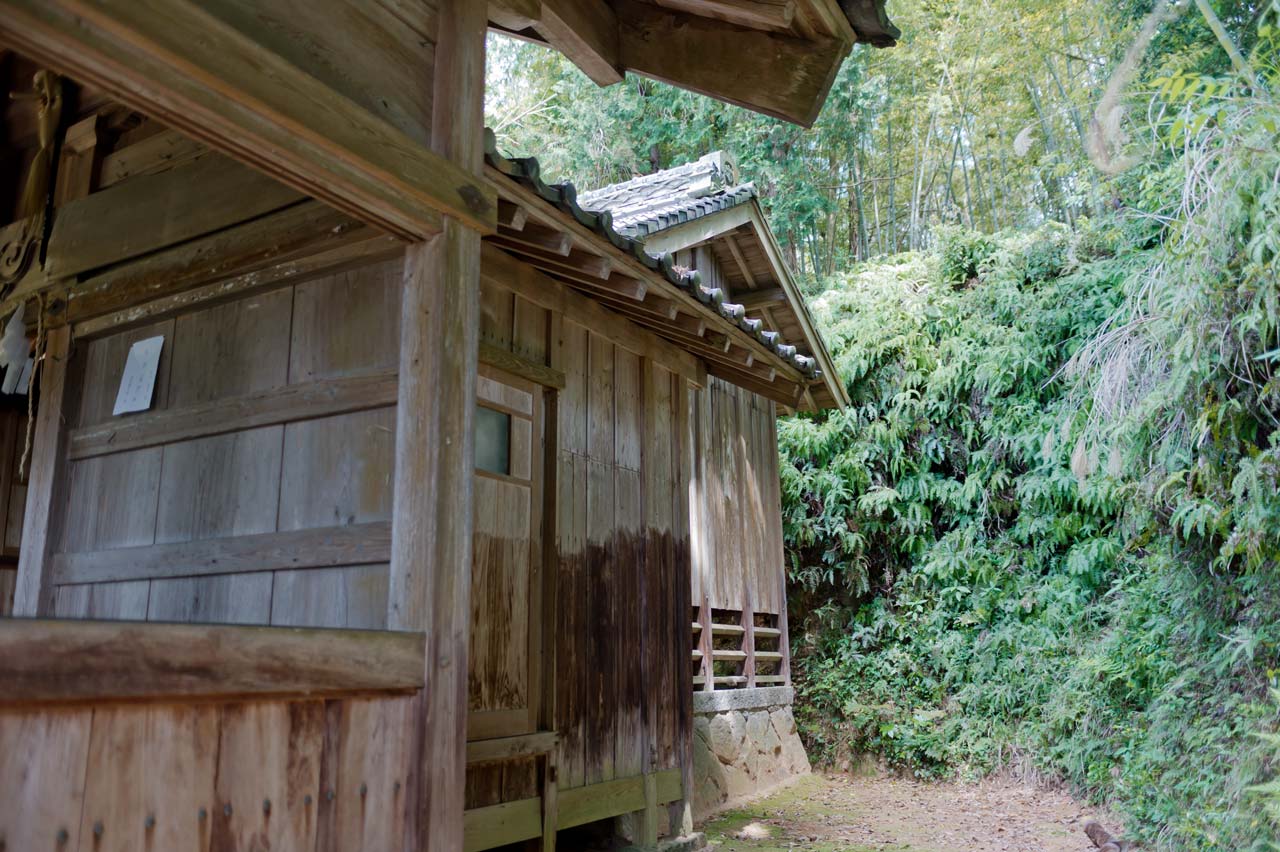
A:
[493, 440]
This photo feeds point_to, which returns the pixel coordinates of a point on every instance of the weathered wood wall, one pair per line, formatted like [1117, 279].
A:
[737, 524]
[258, 487]
[617, 618]
[13, 501]
[623, 560]
[299, 775]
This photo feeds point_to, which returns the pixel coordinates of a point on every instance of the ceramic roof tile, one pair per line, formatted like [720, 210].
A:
[651, 203]
[565, 196]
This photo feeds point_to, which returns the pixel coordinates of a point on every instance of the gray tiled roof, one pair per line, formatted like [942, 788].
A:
[651, 203]
[528, 172]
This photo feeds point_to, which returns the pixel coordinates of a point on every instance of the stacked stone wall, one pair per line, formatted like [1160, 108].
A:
[745, 744]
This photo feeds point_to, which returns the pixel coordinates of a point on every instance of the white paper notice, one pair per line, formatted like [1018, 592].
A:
[139, 379]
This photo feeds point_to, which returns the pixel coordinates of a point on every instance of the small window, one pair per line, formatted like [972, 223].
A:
[493, 441]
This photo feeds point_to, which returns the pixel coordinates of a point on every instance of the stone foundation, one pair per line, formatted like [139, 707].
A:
[744, 744]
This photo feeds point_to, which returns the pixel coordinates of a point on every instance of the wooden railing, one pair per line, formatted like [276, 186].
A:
[47, 661]
[737, 649]
[165, 736]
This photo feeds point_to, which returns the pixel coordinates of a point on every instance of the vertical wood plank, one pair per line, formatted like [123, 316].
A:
[111, 501]
[149, 778]
[231, 349]
[338, 470]
[354, 597]
[34, 593]
[341, 323]
[531, 331]
[367, 764]
[220, 599]
[42, 776]
[10, 422]
[126, 600]
[268, 775]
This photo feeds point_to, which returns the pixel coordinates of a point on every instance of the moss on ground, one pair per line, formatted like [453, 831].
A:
[782, 822]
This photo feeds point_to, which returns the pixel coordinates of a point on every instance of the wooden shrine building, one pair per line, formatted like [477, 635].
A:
[353, 476]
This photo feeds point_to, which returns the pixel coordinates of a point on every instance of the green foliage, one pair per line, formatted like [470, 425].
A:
[988, 582]
[978, 118]
[1047, 531]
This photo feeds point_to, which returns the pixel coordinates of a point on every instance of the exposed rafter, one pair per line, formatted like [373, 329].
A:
[778, 57]
[779, 75]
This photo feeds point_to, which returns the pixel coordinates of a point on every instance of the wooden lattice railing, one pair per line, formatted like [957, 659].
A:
[737, 649]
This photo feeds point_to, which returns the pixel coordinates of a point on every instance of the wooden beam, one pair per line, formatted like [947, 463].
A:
[771, 73]
[830, 376]
[510, 748]
[577, 262]
[581, 805]
[180, 64]
[538, 236]
[522, 367]
[430, 574]
[302, 401]
[515, 14]
[586, 31]
[740, 260]
[511, 216]
[34, 593]
[502, 825]
[303, 229]
[98, 661]
[782, 392]
[767, 14]
[757, 299]
[317, 547]
[698, 230]
[352, 251]
[157, 211]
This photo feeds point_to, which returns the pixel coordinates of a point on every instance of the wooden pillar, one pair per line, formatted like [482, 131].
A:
[748, 623]
[430, 586]
[34, 593]
[680, 812]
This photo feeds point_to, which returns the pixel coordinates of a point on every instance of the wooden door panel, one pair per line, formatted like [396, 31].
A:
[507, 542]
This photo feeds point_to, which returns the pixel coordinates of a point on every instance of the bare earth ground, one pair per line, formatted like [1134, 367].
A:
[837, 813]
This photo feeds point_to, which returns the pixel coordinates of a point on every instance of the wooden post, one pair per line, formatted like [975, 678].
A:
[430, 586]
[649, 816]
[706, 645]
[78, 168]
[34, 593]
[550, 585]
[749, 640]
[680, 812]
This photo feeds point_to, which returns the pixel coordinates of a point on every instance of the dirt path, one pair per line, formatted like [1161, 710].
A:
[843, 814]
